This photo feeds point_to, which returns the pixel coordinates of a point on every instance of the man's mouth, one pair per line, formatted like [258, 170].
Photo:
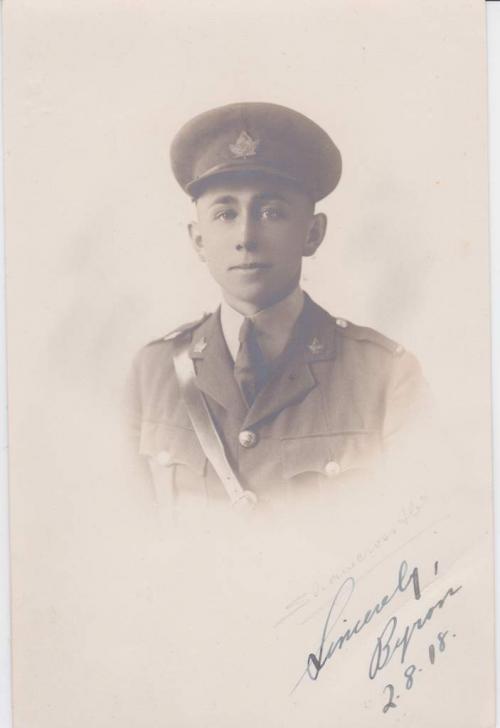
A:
[250, 266]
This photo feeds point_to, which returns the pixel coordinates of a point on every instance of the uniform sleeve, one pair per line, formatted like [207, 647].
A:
[155, 479]
[418, 460]
[132, 415]
[408, 397]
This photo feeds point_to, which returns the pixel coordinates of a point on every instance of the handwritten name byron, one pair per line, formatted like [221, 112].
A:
[388, 643]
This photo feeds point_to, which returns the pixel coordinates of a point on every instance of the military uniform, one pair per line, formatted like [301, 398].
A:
[324, 417]
[331, 399]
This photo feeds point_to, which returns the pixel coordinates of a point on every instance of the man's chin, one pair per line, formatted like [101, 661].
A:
[249, 301]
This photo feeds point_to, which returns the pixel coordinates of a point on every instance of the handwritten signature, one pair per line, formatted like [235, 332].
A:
[316, 661]
[387, 644]
[391, 640]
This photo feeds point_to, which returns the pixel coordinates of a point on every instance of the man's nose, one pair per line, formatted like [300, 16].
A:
[247, 237]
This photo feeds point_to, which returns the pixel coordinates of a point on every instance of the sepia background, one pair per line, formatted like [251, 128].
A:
[98, 263]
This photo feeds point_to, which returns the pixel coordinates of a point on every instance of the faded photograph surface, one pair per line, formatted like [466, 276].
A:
[248, 364]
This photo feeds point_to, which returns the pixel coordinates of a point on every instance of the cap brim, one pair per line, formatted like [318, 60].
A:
[241, 168]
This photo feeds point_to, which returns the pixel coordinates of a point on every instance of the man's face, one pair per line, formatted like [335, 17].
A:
[252, 232]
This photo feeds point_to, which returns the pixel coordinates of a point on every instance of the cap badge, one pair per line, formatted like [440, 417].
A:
[245, 146]
[200, 346]
[315, 347]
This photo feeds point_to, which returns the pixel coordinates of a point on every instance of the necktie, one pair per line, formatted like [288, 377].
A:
[250, 369]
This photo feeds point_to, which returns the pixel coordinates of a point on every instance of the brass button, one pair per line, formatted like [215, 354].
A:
[332, 468]
[163, 457]
[248, 438]
[341, 322]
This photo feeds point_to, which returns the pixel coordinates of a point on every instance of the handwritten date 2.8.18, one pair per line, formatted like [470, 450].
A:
[409, 673]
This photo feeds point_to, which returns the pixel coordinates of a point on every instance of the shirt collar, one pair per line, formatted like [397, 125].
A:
[273, 324]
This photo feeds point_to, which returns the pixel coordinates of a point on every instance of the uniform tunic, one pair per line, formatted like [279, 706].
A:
[336, 396]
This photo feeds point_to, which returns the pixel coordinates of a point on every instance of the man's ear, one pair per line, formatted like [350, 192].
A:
[196, 239]
[317, 231]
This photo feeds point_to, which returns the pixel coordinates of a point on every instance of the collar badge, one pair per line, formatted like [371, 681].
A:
[315, 347]
[245, 146]
[200, 346]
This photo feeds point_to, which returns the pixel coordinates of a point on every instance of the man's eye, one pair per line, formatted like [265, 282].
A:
[225, 215]
[270, 213]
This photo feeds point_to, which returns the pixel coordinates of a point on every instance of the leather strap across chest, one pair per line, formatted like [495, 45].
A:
[205, 429]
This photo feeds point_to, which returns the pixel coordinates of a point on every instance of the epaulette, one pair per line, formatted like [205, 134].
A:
[364, 333]
[185, 328]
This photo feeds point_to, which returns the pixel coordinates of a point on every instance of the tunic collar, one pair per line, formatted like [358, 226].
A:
[273, 325]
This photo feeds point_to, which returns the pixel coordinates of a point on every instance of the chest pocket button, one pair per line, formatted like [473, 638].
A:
[248, 438]
[332, 468]
[163, 457]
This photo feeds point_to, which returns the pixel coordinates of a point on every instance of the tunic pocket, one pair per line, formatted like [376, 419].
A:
[331, 454]
[170, 445]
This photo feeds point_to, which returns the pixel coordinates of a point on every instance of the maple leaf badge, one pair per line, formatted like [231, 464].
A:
[315, 347]
[245, 146]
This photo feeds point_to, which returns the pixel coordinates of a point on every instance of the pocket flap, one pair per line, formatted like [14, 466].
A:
[330, 454]
[172, 445]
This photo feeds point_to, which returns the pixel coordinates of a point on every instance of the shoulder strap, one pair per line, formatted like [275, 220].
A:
[205, 430]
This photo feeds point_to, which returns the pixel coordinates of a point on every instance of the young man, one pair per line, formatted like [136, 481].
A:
[270, 396]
